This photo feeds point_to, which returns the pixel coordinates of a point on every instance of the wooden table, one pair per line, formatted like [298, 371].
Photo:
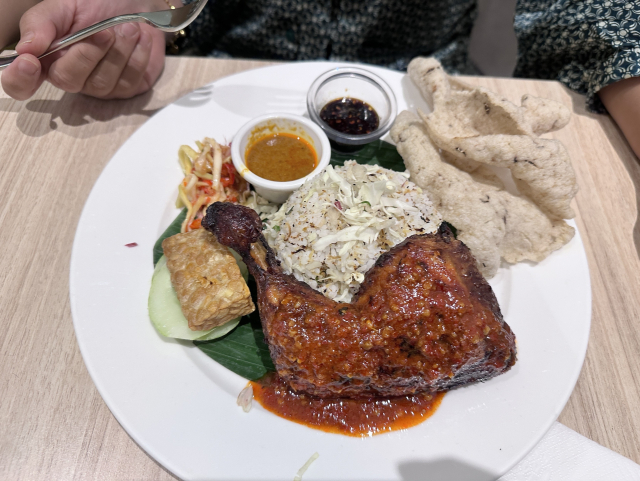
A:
[53, 422]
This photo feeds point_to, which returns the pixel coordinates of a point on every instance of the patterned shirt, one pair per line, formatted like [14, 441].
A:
[585, 44]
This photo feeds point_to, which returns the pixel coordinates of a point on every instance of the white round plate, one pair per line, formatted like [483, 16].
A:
[180, 406]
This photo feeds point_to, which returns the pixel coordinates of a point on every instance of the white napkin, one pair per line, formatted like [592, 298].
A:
[564, 455]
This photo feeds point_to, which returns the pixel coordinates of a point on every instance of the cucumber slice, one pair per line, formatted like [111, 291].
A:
[165, 312]
[244, 271]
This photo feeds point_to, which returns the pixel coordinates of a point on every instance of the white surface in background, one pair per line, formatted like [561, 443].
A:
[564, 455]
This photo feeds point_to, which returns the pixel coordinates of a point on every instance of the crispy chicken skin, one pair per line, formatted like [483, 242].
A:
[424, 318]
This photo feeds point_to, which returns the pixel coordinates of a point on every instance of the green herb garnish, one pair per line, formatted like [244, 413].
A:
[243, 350]
[379, 153]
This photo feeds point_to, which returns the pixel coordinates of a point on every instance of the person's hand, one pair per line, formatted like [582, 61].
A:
[622, 100]
[117, 63]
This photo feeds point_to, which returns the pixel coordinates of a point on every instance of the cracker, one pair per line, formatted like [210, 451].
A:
[459, 199]
[475, 125]
[544, 115]
[493, 222]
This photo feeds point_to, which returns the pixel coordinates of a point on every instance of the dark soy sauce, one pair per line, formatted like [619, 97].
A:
[350, 116]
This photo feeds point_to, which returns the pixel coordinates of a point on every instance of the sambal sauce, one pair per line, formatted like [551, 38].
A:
[350, 116]
[281, 157]
[352, 417]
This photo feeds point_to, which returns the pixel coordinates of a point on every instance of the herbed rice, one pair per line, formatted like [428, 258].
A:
[331, 230]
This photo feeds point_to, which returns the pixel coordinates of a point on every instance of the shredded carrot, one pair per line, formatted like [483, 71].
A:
[209, 177]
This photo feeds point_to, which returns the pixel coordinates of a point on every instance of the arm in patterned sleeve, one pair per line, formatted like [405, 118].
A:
[585, 44]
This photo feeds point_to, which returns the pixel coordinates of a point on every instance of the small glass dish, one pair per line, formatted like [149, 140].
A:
[355, 83]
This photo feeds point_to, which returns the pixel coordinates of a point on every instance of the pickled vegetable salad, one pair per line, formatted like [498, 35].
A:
[209, 176]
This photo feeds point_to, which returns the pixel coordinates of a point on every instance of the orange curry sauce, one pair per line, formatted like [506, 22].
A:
[281, 157]
[353, 417]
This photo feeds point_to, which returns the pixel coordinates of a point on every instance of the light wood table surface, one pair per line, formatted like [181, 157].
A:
[54, 424]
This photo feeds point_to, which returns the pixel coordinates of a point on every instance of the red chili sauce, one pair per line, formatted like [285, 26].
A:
[353, 417]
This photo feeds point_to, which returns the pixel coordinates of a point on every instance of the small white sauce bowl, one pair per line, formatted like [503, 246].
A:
[255, 129]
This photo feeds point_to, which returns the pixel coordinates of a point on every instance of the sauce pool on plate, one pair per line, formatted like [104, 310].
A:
[350, 116]
[281, 157]
[353, 417]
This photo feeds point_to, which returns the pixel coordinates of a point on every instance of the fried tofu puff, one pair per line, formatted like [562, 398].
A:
[207, 280]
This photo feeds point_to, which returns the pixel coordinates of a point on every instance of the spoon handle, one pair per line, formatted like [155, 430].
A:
[80, 35]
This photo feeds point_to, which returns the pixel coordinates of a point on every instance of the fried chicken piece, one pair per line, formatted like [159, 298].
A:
[424, 318]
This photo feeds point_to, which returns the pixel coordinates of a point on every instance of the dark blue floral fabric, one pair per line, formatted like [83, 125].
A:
[585, 44]
[380, 32]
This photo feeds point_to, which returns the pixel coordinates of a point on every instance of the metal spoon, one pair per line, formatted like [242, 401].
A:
[172, 20]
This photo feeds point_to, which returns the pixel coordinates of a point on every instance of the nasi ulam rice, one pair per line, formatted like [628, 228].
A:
[331, 230]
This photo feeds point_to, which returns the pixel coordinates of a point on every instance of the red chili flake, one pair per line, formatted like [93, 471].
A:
[338, 204]
[228, 175]
[132, 244]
